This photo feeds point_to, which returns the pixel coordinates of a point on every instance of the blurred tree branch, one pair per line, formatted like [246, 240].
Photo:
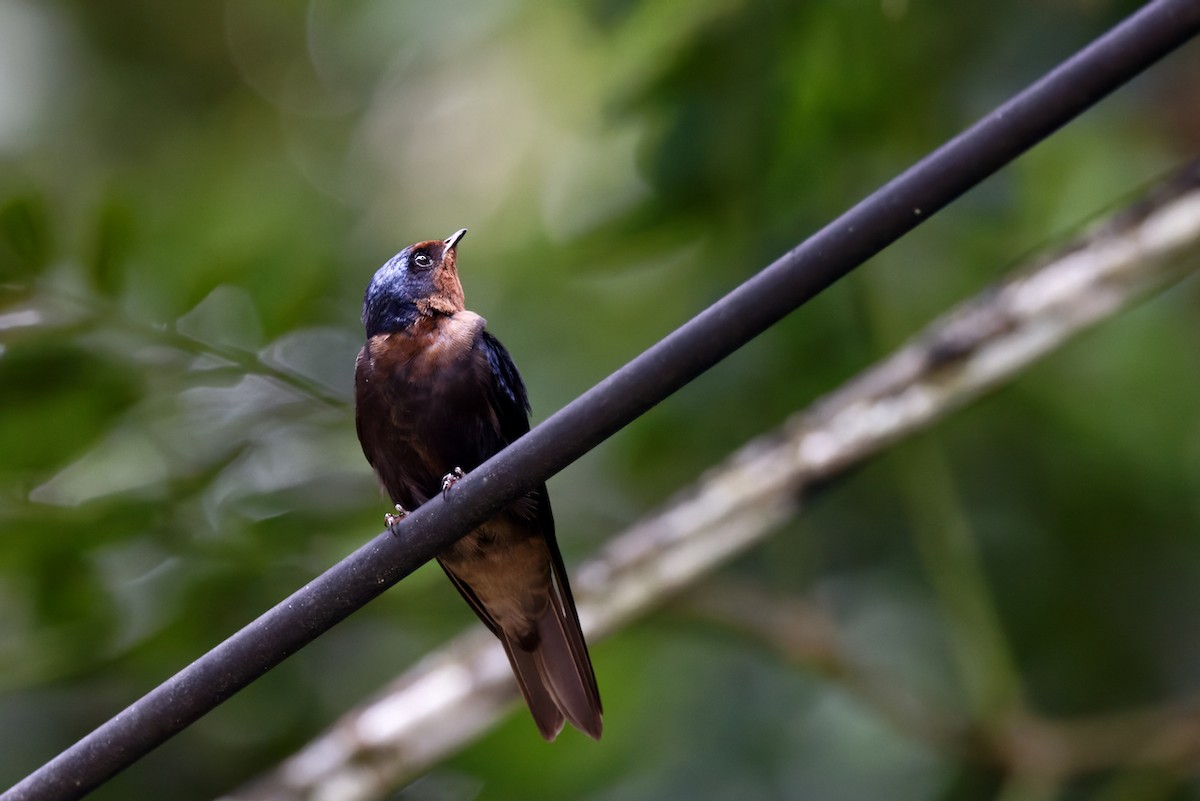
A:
[236, 360]
[453, 695]
[66, 309]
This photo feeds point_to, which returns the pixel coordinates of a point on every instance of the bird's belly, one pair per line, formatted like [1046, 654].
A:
[508, 568]
[430, 422]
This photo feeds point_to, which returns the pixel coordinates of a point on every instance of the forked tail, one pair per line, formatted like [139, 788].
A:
[556, 677]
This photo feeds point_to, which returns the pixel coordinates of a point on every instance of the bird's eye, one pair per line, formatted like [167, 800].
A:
[423, 260]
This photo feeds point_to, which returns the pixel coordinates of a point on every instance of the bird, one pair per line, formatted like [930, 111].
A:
[436, 394]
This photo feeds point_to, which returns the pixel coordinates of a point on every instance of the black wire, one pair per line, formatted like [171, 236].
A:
[1146, 36]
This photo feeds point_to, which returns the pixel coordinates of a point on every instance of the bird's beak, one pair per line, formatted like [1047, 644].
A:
[454, 238]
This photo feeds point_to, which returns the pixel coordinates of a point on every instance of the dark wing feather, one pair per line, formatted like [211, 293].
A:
[512, 405]
[565, 599]
[471, 598]
[506, 391]
[556, 677]
[507, 397]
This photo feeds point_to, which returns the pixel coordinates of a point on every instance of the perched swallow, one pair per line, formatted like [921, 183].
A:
[437, 394]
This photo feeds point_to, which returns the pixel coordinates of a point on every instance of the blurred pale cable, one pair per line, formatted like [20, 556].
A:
[458, 692]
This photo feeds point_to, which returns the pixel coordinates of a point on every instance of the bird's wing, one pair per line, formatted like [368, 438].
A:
[562, 597]
[507, 397]
[471, 598]
[506, 390]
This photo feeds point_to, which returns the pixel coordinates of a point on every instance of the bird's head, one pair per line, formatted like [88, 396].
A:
[420, 280]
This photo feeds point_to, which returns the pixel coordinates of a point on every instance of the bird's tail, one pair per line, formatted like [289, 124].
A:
[556, 676]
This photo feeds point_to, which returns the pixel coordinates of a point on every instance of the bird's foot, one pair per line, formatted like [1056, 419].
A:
[449, 480]
[393, 520]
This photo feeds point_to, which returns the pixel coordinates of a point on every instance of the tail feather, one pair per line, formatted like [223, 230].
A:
[556, 676]
[566, 671]
[542, 704]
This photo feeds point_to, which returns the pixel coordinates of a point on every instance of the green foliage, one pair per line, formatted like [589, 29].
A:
[24, 238]
[58, 400]
[194, 195]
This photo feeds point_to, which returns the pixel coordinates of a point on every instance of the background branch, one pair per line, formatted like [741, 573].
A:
[458, 692]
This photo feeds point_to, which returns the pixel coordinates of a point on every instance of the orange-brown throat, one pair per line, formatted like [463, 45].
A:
[447, 297]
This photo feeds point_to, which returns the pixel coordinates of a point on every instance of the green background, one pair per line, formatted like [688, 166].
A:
[193, 196]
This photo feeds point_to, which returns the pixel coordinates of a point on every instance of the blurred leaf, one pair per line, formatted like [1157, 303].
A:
[57, 399]
[113, 241]
[25, 241]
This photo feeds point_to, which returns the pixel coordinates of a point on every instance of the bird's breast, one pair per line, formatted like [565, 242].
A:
[419, 395]
[417, 355]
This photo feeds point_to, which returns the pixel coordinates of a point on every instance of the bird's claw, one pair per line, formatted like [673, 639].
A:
[449, 480]
[393, 520]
